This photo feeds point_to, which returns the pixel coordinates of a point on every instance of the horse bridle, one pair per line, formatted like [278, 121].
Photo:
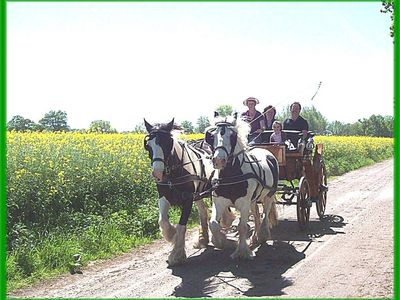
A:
[233, 139]
[167, 168]
[153, 134]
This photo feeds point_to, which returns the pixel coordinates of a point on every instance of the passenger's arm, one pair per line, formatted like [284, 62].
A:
[262, 123]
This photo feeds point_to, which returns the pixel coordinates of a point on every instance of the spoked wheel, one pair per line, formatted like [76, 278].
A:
[303, 203]
[322, 192]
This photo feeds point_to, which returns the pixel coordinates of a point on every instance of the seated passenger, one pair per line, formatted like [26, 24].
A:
[254, 118]
[269, 118]
[269, 113]
[278, 136]
[295, 122]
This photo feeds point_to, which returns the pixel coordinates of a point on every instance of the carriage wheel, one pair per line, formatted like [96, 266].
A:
[322, 192]
[303, 203]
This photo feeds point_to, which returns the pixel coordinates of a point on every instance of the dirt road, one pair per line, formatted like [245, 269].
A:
[349, 254]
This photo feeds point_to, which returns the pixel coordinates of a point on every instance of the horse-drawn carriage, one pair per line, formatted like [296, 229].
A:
[302, 175]
[235, 175]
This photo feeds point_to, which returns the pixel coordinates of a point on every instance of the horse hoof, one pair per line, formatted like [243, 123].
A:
[176, 261]
[248, 255]
[220, 244]
[201, 244]
[254, 244]
[257, 242]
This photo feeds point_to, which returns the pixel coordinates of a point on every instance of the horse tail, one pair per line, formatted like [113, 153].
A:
[273, 214]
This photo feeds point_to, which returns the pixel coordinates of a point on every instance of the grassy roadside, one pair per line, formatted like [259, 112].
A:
[62, 252]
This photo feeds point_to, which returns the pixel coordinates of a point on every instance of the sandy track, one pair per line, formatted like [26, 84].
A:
[348, 254]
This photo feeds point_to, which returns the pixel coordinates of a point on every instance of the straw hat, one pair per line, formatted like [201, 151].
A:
[251, 99]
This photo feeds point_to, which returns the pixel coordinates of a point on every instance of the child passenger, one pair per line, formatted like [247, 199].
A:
[277, 137]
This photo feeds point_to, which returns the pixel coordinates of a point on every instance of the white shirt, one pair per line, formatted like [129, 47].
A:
[277, 138]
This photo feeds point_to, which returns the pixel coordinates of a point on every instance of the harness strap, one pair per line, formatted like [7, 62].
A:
[182, 180]
[200, 186]
[174, 181]
[259, 176]
[240, 178]
[199, 158]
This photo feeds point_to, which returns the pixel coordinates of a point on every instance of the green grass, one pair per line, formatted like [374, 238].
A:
[53, 254]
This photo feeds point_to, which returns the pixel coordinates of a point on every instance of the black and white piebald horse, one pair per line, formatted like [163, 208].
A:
[243, 176]
[182, 173]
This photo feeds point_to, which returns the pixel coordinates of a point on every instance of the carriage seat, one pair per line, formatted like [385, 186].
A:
[304, 146]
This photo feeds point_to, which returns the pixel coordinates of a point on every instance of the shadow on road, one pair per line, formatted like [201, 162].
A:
[213, 270]
[288, 230]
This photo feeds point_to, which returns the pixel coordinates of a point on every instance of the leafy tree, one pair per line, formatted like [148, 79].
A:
[389, 120]
[19, 123]
[55, 121]
[37, 127]
[101, 126]
[224, 110]
[382, 126]
[377, 125]
[202, 123]
[388, 7]
[316, 121]
[283, 114]
[354, 129]
[187, 126]
[337, 128]
[139, 128]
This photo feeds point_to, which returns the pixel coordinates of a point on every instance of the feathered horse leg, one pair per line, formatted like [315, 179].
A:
[167, 230]
[203, 240]
[218, 207]
[257, 223]
[243, 250]
[270, 218]
[178, 253]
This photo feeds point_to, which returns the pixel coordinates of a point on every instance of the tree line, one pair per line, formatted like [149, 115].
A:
[54, 121]
[375, 125]
[57, 121]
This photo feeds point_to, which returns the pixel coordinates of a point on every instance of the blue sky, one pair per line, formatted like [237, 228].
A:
[121, 62]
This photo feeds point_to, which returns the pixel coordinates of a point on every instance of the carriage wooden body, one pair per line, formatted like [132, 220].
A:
[302, 178]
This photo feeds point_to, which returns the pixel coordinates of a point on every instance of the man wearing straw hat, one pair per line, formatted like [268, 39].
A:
[254, 118]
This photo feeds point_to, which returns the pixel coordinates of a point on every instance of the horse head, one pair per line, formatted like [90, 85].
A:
[159, 144]
[223, 139]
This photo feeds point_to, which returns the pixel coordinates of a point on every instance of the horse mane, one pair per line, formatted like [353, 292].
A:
[243, 130]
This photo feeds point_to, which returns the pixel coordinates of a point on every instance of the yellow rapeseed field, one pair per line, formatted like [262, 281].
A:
[51, 175]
